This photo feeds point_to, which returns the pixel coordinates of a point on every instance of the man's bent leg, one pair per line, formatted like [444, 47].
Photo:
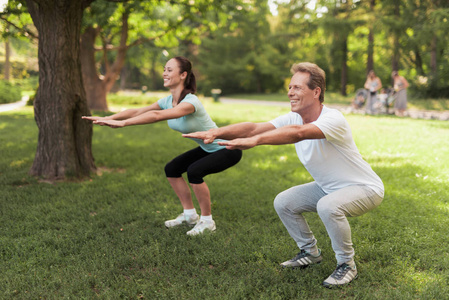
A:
[335, 207]
[290, 204]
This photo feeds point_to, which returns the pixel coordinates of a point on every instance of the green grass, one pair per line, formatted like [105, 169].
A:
[336, 98]
[104, 237]
[134, 98]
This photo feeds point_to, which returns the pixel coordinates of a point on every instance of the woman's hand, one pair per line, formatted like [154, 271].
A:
[92, 118]
[110, 123]
[104, 121]
[207, 136]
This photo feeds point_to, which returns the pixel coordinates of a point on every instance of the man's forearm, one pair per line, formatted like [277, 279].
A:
[240, 130]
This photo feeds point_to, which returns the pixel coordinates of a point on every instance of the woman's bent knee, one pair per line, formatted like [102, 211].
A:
[171, 170]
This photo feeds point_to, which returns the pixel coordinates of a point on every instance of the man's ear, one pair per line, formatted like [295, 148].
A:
[317, 92]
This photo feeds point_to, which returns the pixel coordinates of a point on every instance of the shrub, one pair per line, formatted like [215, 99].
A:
[9, 92]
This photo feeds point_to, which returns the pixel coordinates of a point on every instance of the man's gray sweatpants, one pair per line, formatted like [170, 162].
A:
[332, 208]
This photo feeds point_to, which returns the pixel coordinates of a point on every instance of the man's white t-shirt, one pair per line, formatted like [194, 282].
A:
[333, 162]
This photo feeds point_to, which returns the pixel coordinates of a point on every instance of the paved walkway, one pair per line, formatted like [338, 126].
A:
[412, 113]
[12, 106]
[415, 114]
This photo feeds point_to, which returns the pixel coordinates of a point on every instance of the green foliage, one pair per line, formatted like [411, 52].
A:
[9, 92]
[156, 30]
[239, 46]
[105, 238]
[260, 66]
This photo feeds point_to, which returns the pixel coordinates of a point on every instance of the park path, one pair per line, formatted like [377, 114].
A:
[14, 105]
[412, 113]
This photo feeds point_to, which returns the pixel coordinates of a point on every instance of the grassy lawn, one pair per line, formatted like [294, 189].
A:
[335, 98]
[105, 237]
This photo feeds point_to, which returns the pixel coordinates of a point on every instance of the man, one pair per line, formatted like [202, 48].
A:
[345, 185]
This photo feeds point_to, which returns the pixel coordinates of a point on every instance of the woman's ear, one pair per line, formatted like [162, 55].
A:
[183, 75]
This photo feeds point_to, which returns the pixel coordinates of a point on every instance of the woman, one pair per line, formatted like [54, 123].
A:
[400, 85]
[373, 84]
[185, 114]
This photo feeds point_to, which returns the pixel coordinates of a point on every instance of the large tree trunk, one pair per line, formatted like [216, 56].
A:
[65, 140]
[97, 87]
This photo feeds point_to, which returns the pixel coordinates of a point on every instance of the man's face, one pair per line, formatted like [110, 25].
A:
[301, 97]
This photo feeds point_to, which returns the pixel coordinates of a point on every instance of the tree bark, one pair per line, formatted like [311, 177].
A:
[65, 140]
[7, 71]
[93, 84]
[418, 62]
[370, 59]
[433, 56]
[344, 66]
[98, 86]
[396, 34]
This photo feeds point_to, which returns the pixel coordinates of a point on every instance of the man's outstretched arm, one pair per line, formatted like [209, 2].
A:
[240, 130]
[281, 136]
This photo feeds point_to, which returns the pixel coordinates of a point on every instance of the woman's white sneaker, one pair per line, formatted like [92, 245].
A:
[202, 226]
[190, 220]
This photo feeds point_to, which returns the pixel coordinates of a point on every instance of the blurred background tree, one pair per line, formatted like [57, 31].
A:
[248, 46]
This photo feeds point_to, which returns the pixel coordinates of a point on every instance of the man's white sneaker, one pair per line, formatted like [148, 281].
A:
[191, 220]
[342, 275]
[201, 227]
[303, 259]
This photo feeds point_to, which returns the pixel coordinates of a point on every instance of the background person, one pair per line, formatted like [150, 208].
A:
[400, 85]
[359, 99]
[185, 113]
[344, 184]
[372, 84]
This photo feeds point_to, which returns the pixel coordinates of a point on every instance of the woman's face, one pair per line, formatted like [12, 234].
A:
[172, 74]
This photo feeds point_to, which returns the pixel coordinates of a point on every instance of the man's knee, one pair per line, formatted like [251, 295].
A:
[281, 202]
[326, 210]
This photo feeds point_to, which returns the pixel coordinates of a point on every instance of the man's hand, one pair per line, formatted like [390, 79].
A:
[207, 136]
[242, 144]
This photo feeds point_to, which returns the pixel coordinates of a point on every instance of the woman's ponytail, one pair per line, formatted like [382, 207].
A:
[190, 83]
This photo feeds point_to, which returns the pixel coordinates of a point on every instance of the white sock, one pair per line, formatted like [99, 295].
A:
[189, 212]
[313, 251]
[351, 264]
[206, 218]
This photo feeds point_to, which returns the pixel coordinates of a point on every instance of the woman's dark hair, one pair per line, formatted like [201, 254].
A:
[190, 83]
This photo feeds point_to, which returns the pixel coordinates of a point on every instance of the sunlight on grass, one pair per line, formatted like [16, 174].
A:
[17, 163]
[420, 280]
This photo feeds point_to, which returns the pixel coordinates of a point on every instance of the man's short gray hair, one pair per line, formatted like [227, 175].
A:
[317, 76]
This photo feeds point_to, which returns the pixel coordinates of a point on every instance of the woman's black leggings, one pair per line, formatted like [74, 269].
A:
[199, 163]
